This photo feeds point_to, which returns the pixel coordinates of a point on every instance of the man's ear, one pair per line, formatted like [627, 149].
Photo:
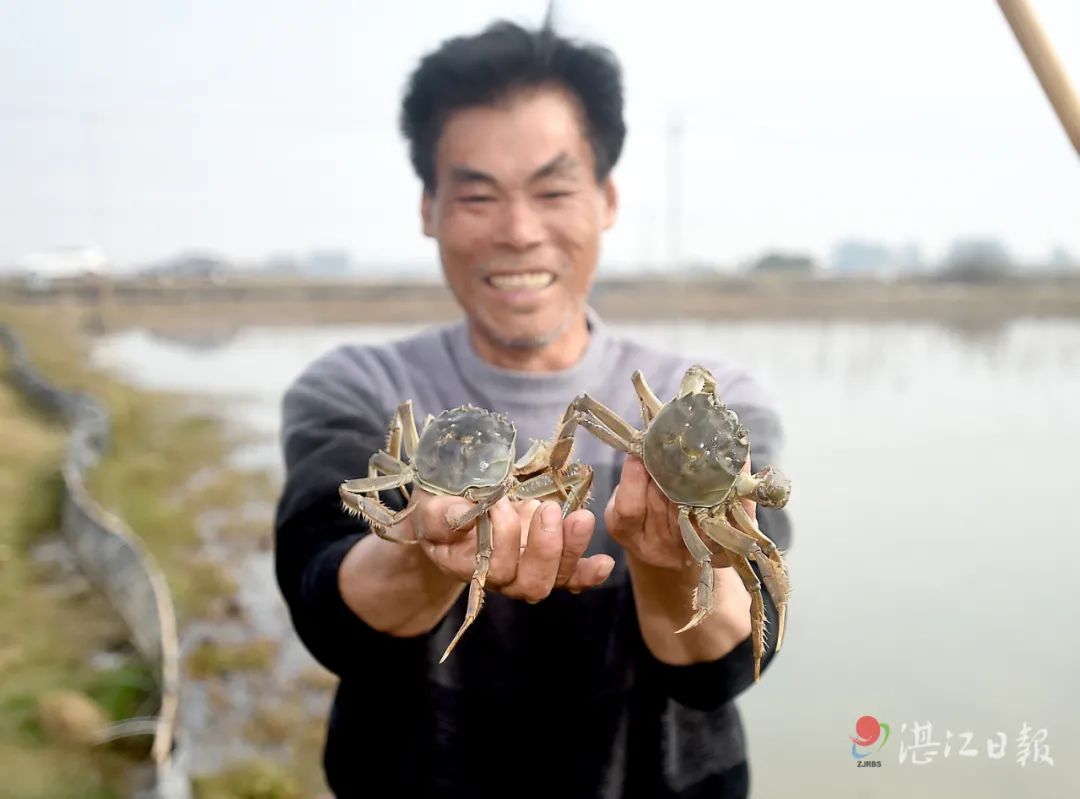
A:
[427, 202]
[610, 197]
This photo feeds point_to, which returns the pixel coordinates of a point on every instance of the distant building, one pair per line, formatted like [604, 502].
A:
[909, 258]
[854, 257]
[857, 258]
[39, 269]
[281, 265]
[1061, 260]
[189, 266]
[328, 263]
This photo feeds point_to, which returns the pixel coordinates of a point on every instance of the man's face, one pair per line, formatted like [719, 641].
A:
[518, 215]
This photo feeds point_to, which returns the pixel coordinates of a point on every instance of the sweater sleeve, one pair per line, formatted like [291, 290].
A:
[329, 431]
[705, 686]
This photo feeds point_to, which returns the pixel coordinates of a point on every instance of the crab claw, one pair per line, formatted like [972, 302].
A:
[695, 620]
[774, 487]
[703, 595]
[478, 581]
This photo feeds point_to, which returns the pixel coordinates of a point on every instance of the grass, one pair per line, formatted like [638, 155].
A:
[255, 779]
[166, 468]
[213, 659]
[167, 464]
[45, 633]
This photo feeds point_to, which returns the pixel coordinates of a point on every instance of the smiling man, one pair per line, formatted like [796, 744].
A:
[572, 681]
[523, 201]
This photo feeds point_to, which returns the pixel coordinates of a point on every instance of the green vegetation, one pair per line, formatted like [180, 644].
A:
[212, 659]
[167, 463]
[46, 628]
[256, 779]
[165, 470]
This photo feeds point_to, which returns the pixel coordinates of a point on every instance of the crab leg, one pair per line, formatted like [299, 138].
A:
[773, 568]
[479, 580]
[564, 438]
[373, 479]
[717, 528]
[385, 463]
[403, 433]
[757, 610]
[393, 438]
[369, 507]
[381, 463]
[383, 482]
[572, 489]
[607, 436]
[615, 423]
[482, 506]
[410, 439]
[703, 594]
[650, 403]
[580, 484]
[746, 524]
[377, 515]
[749, 542]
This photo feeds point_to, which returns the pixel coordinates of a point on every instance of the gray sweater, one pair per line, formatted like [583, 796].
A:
[558, 696]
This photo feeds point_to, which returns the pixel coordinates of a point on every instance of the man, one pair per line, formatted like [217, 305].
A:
[583, 688]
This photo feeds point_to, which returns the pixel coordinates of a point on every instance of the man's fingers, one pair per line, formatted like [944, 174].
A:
[539, 563]
[658, 516]
[629, 502]
[435, 516]
[506, 541]
[590, 572]
[458, 558]
[577, 530]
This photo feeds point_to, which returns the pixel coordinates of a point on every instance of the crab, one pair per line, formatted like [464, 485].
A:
[694, 449]
[464, 452]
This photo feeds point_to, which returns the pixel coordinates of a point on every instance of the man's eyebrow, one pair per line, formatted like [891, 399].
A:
[562, 164]
[466, 174]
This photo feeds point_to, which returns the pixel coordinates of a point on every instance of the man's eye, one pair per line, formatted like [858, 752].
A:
[476, 198]
[555, 195]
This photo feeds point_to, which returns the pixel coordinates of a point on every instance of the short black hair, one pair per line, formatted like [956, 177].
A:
[503, 59]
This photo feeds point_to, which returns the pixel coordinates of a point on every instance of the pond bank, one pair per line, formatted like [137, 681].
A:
[169, 475]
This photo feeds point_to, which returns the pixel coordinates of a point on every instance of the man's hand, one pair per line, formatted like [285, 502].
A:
[664, 576]
[534, 550]
[646, 523]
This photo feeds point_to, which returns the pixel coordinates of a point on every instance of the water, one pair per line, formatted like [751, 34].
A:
[935, 551]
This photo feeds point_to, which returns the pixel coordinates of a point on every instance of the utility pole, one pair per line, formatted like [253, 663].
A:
[102, 282]
[674, 190]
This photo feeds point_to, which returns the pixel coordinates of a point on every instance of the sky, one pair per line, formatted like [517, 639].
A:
[253, 129]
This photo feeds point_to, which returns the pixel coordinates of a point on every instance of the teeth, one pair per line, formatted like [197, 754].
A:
[522, 280]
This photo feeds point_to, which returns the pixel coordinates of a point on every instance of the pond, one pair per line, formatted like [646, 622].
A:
[936, 534]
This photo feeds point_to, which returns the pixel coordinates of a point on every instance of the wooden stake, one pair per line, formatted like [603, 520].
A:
[1044, 61]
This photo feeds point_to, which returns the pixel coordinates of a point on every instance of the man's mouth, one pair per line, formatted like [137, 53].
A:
[521, 281]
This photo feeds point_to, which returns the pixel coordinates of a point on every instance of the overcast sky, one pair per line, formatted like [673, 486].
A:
[248, 129]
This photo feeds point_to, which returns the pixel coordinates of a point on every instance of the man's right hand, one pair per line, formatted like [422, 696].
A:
[407, 590]
[534, 550]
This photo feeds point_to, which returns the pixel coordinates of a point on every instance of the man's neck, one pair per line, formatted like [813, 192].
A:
[554, 356]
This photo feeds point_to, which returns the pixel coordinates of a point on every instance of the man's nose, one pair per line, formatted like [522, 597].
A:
[520, 225]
